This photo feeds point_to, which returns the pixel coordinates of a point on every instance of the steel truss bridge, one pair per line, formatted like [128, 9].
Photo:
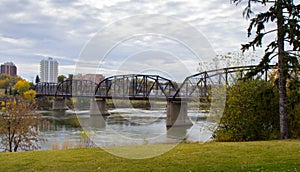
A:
[145, 87]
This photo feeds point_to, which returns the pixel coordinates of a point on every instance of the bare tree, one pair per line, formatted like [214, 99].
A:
[19, 125]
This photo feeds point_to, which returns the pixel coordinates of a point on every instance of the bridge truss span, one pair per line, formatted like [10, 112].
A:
[67, 88]
[76, 88]
[136, 86]
[46, 89]
[201, 85]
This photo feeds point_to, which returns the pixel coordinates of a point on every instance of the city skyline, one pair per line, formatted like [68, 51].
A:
[10, 68]
[35, 30]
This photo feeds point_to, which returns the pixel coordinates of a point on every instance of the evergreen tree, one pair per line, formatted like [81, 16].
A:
[37, 79]
[285, 45]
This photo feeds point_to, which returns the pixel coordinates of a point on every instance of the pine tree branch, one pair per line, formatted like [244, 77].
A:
[271, 31]
[263, 1]
[275, 55]
[292, 52]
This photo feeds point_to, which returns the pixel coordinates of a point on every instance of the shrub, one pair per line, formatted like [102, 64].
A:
[251, 112]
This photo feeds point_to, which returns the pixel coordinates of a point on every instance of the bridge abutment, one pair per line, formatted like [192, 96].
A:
[177, 114]
[59, 103]
[98, 107]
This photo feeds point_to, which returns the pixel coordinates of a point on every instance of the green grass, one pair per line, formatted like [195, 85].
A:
[215, 156]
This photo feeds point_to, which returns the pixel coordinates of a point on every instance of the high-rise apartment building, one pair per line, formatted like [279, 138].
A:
[48, 70]
[9, 68]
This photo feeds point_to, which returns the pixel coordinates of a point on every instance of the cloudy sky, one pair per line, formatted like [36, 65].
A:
[72, 32]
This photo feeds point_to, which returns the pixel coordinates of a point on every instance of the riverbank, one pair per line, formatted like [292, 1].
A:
[214, 156]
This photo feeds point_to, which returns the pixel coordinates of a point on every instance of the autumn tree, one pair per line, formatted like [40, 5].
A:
[4, 84]
[7, 81]
[30, 95]
[19, 125]
[22, 86]
[282, 20]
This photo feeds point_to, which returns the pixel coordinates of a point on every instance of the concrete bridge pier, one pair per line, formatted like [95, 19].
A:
[98, 107]
[177, 114]
[59, 103]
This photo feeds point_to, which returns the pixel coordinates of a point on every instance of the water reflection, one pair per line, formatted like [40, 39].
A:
[179, 132]
[122, 127]
[92, 121]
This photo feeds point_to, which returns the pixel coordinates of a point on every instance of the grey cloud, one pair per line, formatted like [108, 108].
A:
[62, 28]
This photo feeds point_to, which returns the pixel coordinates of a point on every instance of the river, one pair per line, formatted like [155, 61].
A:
[122, 127]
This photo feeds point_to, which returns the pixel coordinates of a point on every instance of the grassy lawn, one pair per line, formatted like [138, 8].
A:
[215, 156]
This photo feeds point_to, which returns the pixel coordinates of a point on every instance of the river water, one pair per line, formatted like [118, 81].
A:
[68, 129]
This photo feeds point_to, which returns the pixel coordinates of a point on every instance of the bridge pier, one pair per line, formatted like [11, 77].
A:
[59, 103]
[177, 114]
[98, 107]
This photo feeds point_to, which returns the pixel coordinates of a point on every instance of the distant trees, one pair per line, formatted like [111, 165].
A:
[61, 78]
[19, 125]
[7, 81]
[4, 84]
[70, 77]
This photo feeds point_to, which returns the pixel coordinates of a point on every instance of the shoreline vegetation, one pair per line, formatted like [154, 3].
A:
[276, 155]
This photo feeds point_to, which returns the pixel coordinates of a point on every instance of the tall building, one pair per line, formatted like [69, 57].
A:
[48, 70]
[9, 68]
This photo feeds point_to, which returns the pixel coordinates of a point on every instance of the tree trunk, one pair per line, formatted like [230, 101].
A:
[282, 69]
[9, 138]
[16, 148]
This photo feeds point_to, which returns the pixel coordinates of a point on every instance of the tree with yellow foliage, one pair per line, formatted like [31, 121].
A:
[30, 95]
[22, 86]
